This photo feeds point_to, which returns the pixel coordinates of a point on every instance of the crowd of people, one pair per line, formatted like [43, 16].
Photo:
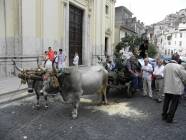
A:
[168, 80]
[58, 58]
[144, 76]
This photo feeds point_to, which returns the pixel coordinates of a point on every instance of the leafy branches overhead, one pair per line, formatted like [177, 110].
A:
[133, 42]
[152, 50]
[129, 41]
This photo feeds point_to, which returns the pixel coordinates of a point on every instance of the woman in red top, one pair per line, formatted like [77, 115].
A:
[50, 54]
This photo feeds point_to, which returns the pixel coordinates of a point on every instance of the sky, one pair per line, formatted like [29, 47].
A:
[152, 11]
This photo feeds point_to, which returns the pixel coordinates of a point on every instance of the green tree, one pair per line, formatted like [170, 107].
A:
[152, 51]
[133, 41]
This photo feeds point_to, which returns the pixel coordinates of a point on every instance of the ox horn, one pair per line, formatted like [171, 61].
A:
[18, 68]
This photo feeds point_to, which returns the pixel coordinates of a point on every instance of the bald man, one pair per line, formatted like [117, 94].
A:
[147, 78]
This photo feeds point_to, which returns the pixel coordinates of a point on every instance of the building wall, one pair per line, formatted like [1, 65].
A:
[122, 14]
[10, 33]
[46, 23]
[101, 26]
[29, 27]
[173, 43]
[126, 24]
[2, 38]
[110, 25]
[2, 28]
[34, 25]
[117, 35]
[41, 26]
[51, 25]
[118, 16]
[121, 33]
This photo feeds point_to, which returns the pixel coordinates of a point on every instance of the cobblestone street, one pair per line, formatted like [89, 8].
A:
[137, 118]
[55, 54]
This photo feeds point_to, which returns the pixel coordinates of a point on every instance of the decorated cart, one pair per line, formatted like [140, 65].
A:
[118, 77]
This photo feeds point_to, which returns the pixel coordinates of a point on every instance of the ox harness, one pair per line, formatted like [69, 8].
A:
[39, 75]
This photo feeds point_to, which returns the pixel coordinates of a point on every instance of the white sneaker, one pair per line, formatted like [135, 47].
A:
[150, 96]
[41, 91]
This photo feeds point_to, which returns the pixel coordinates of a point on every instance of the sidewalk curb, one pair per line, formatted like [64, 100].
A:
[17, 99]
[13, 91]
[17, 95]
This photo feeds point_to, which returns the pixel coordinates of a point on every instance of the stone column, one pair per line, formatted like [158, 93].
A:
[39, 25]
[10, 33]
[66, 29]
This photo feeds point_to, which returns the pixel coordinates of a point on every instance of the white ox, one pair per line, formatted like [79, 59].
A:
[74, 83]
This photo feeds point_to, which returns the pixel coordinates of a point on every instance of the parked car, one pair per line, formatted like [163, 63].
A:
[166, 58]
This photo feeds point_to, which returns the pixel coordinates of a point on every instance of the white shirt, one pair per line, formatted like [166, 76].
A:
[48, 65]
[76, 60]
[159, 70]
[110, 66]
[147, 71]
[61, 60]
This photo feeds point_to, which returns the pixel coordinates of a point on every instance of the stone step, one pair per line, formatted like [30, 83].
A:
[14, 96]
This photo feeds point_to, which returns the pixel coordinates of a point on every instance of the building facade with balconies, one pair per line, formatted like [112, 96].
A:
[173, 41]
[125, 24]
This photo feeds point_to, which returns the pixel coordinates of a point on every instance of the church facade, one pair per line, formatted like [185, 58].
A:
[31, 26]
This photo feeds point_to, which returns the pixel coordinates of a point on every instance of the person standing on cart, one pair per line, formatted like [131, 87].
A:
[144, 49]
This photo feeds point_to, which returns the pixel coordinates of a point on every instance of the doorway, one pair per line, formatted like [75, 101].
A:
[75, 33]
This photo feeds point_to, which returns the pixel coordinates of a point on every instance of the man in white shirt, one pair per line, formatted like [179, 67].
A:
[61, 59]
[76, 60]
[147, 78]
[158, 74]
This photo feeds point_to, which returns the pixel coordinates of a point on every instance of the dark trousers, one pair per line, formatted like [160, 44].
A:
[137, 82]
[170, 105]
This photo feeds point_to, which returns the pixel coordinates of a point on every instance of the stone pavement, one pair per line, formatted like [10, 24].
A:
[137, 118]
[11, 84]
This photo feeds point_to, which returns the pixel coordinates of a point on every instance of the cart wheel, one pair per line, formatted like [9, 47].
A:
[129, 91]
